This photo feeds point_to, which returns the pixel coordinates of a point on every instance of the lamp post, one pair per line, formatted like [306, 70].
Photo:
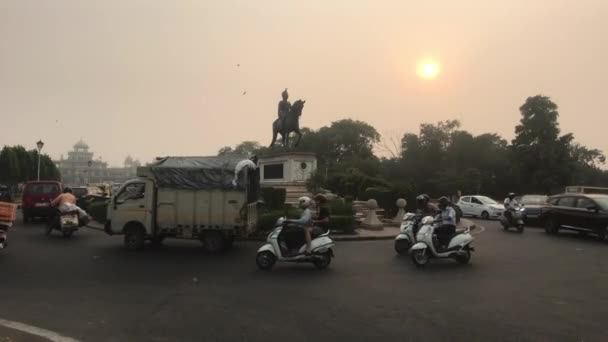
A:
[39, 144]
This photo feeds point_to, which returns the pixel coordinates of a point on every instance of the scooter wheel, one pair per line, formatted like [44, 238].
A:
[520, 228]
[464, 259]
[420, 257]
[68, 234]
[402, 246]
[323, 262]
[265, 260]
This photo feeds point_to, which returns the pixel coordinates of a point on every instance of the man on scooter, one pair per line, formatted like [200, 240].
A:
[67, 202]
[447, 222]
[510, 205]
[305, 221]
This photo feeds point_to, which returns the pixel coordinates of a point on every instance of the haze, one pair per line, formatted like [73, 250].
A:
[152, 78]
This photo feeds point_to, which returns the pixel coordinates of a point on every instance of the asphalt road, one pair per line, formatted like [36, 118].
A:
[518, 287]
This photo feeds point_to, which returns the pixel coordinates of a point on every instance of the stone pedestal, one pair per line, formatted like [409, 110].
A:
[401, 203]
[289, 171]
[371, 220]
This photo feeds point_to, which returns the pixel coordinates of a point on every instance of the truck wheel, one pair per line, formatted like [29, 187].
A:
[134, 238]
[213, 242]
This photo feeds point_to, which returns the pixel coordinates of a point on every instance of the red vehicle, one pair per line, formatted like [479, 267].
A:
[37, 197]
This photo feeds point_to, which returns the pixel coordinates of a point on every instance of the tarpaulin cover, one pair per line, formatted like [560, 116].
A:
[197, 173]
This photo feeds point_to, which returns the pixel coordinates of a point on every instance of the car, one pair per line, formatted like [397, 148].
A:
[37, 197]
[533, 205]
[577, 212]
[5, 194]
[480, 206]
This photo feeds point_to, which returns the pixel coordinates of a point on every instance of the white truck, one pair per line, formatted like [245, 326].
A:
[211, 199]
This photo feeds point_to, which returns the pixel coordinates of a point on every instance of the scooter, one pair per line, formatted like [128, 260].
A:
[4, 227]
[407, 233]
[67, 223]
[278, 249]
[426, 249]
[517, 219]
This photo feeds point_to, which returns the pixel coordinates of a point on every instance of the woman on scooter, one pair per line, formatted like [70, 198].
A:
[305, 221]
[447, 222]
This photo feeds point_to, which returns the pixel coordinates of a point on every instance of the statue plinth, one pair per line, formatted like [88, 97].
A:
[287, 170]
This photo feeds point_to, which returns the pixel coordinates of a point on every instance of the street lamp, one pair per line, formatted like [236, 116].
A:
[39, 144]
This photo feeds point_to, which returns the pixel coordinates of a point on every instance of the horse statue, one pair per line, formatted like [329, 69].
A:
[291, 123]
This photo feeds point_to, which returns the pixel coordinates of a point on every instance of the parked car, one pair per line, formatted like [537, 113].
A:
[480, 206]
[533, 205]
[5, 194]
[577, 212]
[37, 197]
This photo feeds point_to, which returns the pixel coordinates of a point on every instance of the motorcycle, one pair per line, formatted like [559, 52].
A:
[407, 233]
[517, 219]
[286, 243]
[459, 247]
[66, 222]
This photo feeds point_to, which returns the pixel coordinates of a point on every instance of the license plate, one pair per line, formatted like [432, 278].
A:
[69, 220]
[41, 205]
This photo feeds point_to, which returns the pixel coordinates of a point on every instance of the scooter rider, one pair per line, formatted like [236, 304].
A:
[447, 222]
[67, 202]
[305, 220]
[510, 205]
[425, 207]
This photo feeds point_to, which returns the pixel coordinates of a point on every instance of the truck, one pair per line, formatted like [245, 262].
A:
[210, 199]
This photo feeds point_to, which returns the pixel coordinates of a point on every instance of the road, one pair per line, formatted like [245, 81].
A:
[519, 287]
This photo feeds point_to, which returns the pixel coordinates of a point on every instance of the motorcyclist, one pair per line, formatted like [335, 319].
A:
[511, 205]
[66, 202]
[305, 221]
[424, 206]
[447, 222]
[322, 218]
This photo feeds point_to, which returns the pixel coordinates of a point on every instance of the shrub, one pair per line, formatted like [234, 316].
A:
[343, 223]
[266, 220]
[341, 207]
[274, 198]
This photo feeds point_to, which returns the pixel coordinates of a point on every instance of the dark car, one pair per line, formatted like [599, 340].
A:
[577, 212]
[37, 197]
[5, 194]
[533, 205]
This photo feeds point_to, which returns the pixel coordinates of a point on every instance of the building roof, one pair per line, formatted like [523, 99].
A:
[80, 144]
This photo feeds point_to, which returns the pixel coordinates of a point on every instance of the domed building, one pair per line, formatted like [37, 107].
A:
[80, 168]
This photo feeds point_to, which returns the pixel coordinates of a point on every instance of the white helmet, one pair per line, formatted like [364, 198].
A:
[304, 201]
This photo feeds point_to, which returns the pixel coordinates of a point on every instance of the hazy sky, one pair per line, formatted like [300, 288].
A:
[152, 78]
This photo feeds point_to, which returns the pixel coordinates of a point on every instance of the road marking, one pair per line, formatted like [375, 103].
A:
[47, 334]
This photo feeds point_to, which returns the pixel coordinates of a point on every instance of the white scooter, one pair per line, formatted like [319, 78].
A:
[425, 249]
[406, 237]
[277, 249]
[517, 219]
[4, 227]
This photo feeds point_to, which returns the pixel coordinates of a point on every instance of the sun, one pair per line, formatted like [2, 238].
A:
[428, 70]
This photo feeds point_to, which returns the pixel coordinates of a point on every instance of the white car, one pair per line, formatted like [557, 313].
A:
[480, 206]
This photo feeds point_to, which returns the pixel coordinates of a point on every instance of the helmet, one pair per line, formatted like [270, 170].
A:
[304, 201]
[285, 94]
[67, 190]
[511, 195]
[422, 200]
[443, 202]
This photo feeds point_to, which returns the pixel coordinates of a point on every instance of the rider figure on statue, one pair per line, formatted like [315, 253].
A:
[284, 106]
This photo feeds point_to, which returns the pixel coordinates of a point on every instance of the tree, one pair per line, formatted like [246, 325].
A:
[246, 148]
[19, 165]
[542, 155]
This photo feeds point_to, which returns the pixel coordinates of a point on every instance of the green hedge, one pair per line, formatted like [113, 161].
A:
[342, 224]
[267, 220]
[274, 199]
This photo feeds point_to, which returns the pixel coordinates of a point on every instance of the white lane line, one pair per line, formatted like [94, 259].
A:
[49, 335]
